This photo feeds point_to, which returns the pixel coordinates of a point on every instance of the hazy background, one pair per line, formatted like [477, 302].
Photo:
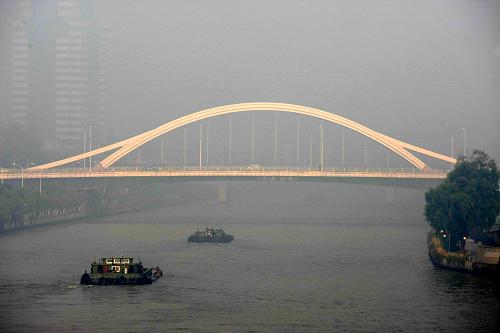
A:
[419, 71]
[416, 70]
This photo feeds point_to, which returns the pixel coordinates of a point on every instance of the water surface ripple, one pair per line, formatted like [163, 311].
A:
[278, 275]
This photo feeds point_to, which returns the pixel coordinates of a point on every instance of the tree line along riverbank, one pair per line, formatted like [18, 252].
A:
[463, 212]
[62, 202]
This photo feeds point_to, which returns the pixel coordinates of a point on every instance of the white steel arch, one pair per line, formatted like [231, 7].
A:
[126, 146]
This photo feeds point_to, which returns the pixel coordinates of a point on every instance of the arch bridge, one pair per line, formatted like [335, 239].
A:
[125, 147]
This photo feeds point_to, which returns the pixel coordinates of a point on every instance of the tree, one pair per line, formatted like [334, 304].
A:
[468, 201]
[22, 144]
[11, 202]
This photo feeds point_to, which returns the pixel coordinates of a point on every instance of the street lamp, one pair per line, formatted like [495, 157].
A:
[468, 249]
[40, 183]
[310, 151]
[230, 139]
[449, 240]
[22, 174]
[162, 160]
[90, 147]
[321, 146]
[253, 137]
[185, 146]
[1, 170]
[343, 148]
[452, 152]
[275, 138]
[465, 142]
[201, 142]
[453, 146]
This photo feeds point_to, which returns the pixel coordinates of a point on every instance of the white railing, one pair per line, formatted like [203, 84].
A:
[220, 168]
[221, 171]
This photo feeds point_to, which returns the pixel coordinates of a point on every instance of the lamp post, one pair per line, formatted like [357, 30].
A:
[453, 143]
[465, 142]
[40, 178]
[1, 170]
[298, 142]
[465, 243]
[449, 240]
[366, 154]
[322, 146]
[452, 152]
[201, 142]
[253, 138]
[275, 138]
[443, 234]
[84, 148]
[162, 160]
[90, 147]
[207, 135]
[22, 174]
[310, 150]
[343, 148]
[230, 139]
[185, 145]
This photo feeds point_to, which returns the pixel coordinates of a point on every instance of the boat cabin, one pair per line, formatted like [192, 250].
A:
[116, 265]
[209, 232]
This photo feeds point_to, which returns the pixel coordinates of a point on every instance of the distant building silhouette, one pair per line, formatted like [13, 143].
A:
[58, 75]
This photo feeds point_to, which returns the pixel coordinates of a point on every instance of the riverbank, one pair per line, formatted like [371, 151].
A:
[43, 220]
[479, 259]
[64, 203]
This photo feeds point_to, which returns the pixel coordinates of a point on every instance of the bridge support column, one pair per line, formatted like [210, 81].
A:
[223, 194]
[389, 196]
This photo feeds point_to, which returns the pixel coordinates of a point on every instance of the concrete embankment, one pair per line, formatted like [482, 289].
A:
[99, 201]
[42, 218]
[478, 259]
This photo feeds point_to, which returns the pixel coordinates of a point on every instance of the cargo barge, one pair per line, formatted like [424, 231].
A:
[121, 271]
[211, 235]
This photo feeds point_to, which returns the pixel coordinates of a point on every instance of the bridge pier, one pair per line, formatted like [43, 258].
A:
[389, 196]
[223, 194]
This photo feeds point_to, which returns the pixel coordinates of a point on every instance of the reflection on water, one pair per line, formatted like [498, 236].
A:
[299, 272]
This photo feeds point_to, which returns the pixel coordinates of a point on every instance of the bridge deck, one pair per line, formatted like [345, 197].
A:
[223, 172]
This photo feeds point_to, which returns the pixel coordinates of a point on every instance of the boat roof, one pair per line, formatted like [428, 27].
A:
[210, 228]
[116, 260]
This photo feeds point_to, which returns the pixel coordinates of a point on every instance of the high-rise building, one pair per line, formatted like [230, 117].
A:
[59, 73]
[19, 64]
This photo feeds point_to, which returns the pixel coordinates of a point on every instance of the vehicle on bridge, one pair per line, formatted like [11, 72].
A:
[211, 235]
[254, 167]
[120, 270]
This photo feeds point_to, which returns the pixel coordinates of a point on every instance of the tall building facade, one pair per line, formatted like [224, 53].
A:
[19, 64]
[59, 73]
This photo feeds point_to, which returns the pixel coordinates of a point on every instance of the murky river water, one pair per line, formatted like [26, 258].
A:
[299, 263]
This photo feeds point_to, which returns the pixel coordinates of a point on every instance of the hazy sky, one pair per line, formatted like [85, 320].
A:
[416, 70]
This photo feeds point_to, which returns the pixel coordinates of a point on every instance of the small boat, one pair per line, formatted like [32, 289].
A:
[211, 235]
[120, 270]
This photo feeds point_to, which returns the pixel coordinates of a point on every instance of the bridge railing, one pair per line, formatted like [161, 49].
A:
[259, 169]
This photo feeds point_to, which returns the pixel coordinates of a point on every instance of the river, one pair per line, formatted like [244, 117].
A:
[305, 258]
